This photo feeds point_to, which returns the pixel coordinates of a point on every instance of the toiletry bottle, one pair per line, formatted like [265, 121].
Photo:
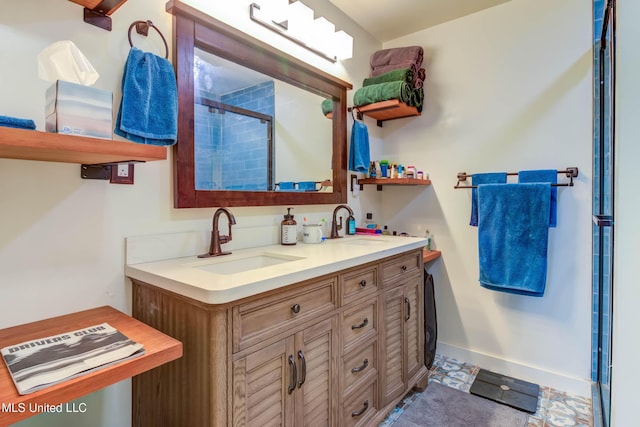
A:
[288, 229]
[385, 231]
[369, 222]
[351, 225]
[427, 235]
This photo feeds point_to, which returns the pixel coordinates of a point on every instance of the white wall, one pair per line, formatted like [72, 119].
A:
[507, 89]
[626, 317]
[61, 237]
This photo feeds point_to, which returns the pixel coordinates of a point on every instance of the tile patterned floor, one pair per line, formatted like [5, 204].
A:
[555, 408]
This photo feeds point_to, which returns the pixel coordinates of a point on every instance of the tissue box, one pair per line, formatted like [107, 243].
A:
[75, 109]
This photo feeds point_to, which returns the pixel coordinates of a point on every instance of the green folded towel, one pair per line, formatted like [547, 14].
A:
[418, 98]
[327, 106]
[403, 75]
[383, 92]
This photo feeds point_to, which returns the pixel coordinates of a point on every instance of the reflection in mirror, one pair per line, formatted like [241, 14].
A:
[255, 133]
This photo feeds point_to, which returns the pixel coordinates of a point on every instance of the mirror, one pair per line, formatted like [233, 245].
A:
[287, 154]
[248, 128]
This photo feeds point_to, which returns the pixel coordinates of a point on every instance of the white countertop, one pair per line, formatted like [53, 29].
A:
[187, 276]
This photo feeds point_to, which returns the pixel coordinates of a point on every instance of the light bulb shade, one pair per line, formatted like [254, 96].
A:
[320, 35]
[342, 45]
[300, 19]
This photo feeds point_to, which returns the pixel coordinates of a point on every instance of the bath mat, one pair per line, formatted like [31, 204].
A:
[510, 391]
[440, 405]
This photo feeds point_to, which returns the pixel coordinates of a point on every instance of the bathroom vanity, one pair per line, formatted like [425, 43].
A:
[329, 334]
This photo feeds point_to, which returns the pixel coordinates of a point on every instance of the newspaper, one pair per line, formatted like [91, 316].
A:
[41, 363]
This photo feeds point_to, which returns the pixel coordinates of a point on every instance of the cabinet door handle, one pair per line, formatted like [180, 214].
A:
[360, 368]
[303, 367]
[295, 308]
[359, 412]
[292, 379]
[363, 283]
[403, 268]
[408, 303]
[364, 323]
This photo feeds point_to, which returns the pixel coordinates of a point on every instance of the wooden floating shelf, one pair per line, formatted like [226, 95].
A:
[54, 147]
[430, 255]
[159, 349]
[392, 181]
[387, 110]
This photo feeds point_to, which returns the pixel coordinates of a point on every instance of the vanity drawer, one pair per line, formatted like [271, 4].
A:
[261, 318]
[359, 408]
[359, 283]
[402, 266]
[360, 323]
[360, 364]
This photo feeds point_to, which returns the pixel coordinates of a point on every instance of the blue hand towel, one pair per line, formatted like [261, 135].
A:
[286, 185]
[359, 157]
[513, 232]
[545, 175]
[148, 111]
[483, 178]
[15, 122]
[307, 185]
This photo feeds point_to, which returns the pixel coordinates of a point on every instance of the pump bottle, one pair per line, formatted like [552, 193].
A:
[288, 229]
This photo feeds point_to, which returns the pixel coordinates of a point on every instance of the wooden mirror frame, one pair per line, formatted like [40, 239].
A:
[193, 28]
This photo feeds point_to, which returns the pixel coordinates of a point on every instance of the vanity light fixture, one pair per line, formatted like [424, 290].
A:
[294, 21]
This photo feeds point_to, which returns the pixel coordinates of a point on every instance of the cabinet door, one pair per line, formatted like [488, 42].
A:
[316, 353]
[264, 383]
[393, 345]
[414, 327]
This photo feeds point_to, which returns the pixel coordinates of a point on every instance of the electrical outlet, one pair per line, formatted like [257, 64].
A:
[122, 173]
[123, 170]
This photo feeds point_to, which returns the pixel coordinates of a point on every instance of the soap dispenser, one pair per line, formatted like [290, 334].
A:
[288, 229]
[351, 225]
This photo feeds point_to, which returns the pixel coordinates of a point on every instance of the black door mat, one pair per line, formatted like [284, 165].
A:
[509, 391]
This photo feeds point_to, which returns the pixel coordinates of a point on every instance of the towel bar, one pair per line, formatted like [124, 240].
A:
[570, 173]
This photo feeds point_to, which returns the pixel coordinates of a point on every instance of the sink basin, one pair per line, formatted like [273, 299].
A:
[362, 241]
[224, 265]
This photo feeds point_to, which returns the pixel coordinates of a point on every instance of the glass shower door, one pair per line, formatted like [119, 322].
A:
[603, 191]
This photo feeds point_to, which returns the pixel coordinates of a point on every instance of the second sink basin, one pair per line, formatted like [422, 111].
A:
[224, 265]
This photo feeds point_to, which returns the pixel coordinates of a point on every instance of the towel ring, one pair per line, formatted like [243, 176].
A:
[142, 27]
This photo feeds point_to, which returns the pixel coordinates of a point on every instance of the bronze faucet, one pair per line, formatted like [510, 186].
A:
[335, 227]
[216, 238]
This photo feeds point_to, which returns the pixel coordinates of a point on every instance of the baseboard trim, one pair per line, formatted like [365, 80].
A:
[576, 386]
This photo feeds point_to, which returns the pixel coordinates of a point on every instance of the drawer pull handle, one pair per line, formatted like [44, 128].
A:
[403, 268]
[363, 283]
[292, 379]
[295, 308]
[364, 323]
[408, 303]
[361, 368]
[303, 367]
[361, 411]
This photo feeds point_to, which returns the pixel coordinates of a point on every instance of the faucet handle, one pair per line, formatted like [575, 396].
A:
[224, 239]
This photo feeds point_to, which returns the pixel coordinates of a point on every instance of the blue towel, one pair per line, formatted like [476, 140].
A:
[286, 185]
[148, 111]
[307, 185]
[546, 175]
[513, 233]
[483, 178]
[359, 157]
[15, 122]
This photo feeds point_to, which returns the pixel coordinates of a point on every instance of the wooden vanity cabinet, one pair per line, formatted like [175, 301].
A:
[289, 382]
[402, 343]
[337, 350]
